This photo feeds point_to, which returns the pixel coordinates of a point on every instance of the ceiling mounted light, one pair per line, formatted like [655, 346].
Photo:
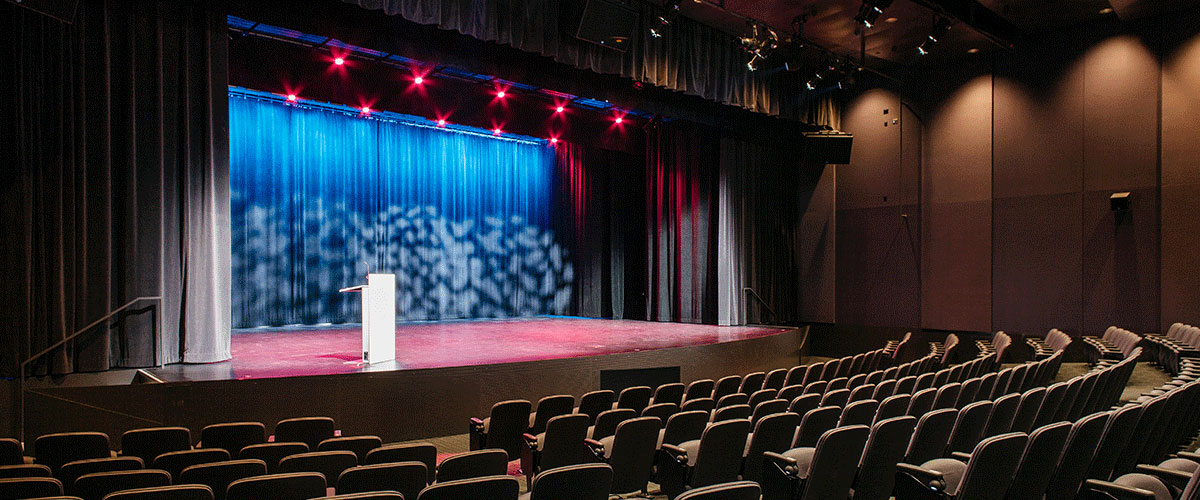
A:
[940, 28]
[659, 26]
[869, 12]
[759, 45]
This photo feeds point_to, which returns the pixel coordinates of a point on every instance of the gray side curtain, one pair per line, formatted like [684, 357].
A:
[118, 184]
[691, 58]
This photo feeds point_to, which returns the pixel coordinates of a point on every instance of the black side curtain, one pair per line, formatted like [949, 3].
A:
[691, 58]
[117, 184]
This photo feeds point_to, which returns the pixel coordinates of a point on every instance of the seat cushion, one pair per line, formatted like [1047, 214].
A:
[541, 440]
[803, 457]
[1146, 482]
[608, 446]
[952, 472]
[1180, 464]
[692, 448]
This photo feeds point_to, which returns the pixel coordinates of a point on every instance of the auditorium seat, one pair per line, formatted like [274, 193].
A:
[573, 482]
[735, 412]
[930, 438]
[892, 407]
[1001, 418]
[96, 485]
[922, 402]
[968, 393]
[968, 427]
[219, 475]
[607, 422]
[503, 429]
[698, 389]
[661, 410]
[630, 451]
[308, 430]
[233, 436]
[561, 444]
[72, 471]
[885, 448]
[861, 393]
[790, 392]
[738, 490]
[272, 453]
[734, 399]
[725, 386]
[775, 379]
[408, 478]
[702, 404]
[24, 470]
[148, 443]
[752, 382]
[177, 492]
[371, 495]
[472, 464]
[1077, 456]
[813, 424]
[986, 475]
[906, 385]
[490, 487]
[635, 398]
[796, 375]
[289, 486]
[683, 426]
[594, 403]
[30, 487]
[761, 395]
[766, 408]
[1033, 474]
[1027, 410]
[823, 471]
[802, 404]
[884, 389]
[1118, 431]
[837, 384]
[714, 458]
[360, 445]
[175, 461]
[329, 464]
[11, 452]
[859, 413]
[835, 397]
[773, 433]
[425, 453]
[548, 408]
[54, 450]
[947, 395]
[816, 387]
[668, 393]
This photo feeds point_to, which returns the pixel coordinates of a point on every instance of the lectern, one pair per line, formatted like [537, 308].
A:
[378, 317]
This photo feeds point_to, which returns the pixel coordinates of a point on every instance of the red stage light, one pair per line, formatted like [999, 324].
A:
[291, 97]
[418, 80]
[500, 94]
[619, 120]
[441, 123]
[558, 109]
[339, 61]
[366, 110]
[497, 131]
[553, 140]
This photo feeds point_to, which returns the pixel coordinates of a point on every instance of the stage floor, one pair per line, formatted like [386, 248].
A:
[306, 351]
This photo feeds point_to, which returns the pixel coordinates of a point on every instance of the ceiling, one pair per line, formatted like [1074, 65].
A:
[893, 41]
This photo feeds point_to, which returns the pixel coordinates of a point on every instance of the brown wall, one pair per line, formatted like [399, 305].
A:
[1019, 153]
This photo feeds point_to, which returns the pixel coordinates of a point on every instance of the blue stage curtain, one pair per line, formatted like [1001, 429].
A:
[322, 197]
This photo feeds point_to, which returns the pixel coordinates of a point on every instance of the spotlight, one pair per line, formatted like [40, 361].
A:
[618, 120]
[500, 94]
[810, 85]
[759, 46]
[366, 110]
[291, 97]
[497, 131]
[922, 50]
[940, 28]
[558, 109]
[419, 80]
[441, 122]
[339, 61]
[869, 12]
[661, 22]
[553, 140]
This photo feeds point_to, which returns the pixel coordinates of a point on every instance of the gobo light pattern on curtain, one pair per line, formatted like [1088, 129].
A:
[321, 197]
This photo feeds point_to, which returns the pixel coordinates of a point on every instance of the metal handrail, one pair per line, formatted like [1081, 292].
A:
[157, 347]
[760, 300]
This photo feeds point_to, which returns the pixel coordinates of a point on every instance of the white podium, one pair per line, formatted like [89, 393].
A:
[378, 317]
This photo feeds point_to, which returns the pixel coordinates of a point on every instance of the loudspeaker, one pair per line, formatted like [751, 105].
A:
[1120, 202]
[604, 22]
[63, 10]
[827, 147]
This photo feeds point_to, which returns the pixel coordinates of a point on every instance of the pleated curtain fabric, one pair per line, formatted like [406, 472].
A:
[116, 185]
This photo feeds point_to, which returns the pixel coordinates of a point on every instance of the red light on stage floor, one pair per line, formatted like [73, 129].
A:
[291, 97]
[339, 61]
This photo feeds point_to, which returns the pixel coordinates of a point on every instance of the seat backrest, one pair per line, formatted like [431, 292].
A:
[219, 475]
[720, 454]
[884, 389]
[773, 433]
[509, 420]
[1063, 410]
[795, 375]
[968, 394]
[861, 393]
[924, 381]
[661, 410]
[96, 485]
[987, 384]
[30, 487]
[1192, 490]
[359, 445]
[761, 395]
[837, 384]
[425, 453]
[835, 461]
[330, 464]
[769, 407]
[812, 373]
[736, 398]
[752, 382]
[151, 442]
[471, 464]
[307, 430]
[1117, 433]
[1045, 446]
[632, 456]
[553, 406]
[24, 470]
[931, 436]
[775, 379]
[836, 397]
[906, 385]
[175, 461]
[177, 492]
[892, 406]
[813, 424]
[668, 393]
[271, 454]
[563, 443]
[969, 427]
[606, 423]
[408, 478]
[54, 450]
[922, 402]
[596, 402]
[697, 389]
[702, 404]
[11, 452]
[287, 486]
[490, 487]
[71, 471]
[815, 387]
[1003, 379]
[1086, 385]
[233, 436]
[1077, 456]
[574, 482]
[1147, 420]
[991, 468]
[635, 398]
[1027, 409]
[859, 413]
[725, 386]
[685, 426]
[884, 449]
[790, 392]
[734, 412]
[803, 403]
[739, 490]
[947, 395]
[1050, 403]
[1001, 418]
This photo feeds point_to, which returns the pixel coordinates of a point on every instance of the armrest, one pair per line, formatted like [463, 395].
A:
[1118, 491]
[530, 439]
[1195, 457]
[477, 421]
[785, 464]
[678, 453]
[961, 456]
[930, 478]
[1173, 478]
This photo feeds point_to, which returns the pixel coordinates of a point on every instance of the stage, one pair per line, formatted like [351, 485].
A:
[445, 373]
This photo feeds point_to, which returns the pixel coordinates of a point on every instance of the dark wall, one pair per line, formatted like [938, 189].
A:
[1019, 154]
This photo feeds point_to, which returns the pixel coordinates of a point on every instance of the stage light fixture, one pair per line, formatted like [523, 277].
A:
[497, 131]
[553, 140]
[618, 120]
[339, 61]
[366, 110]
[500, 94]
[441, 122]
[291, 97]
[810, 85]
[940, 28]
[759, 45]
[869, 12]
[559, 109]
[659, 26]
[419, 80]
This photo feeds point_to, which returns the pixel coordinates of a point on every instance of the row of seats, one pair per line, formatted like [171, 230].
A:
[1177, 350]
[1115, 344]
[1054, 341]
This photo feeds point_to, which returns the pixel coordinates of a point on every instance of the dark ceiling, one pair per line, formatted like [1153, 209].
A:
[893, 41]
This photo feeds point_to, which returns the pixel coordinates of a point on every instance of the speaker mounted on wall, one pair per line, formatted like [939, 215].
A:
[607, 23]
[63, 10]
[827, 147]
